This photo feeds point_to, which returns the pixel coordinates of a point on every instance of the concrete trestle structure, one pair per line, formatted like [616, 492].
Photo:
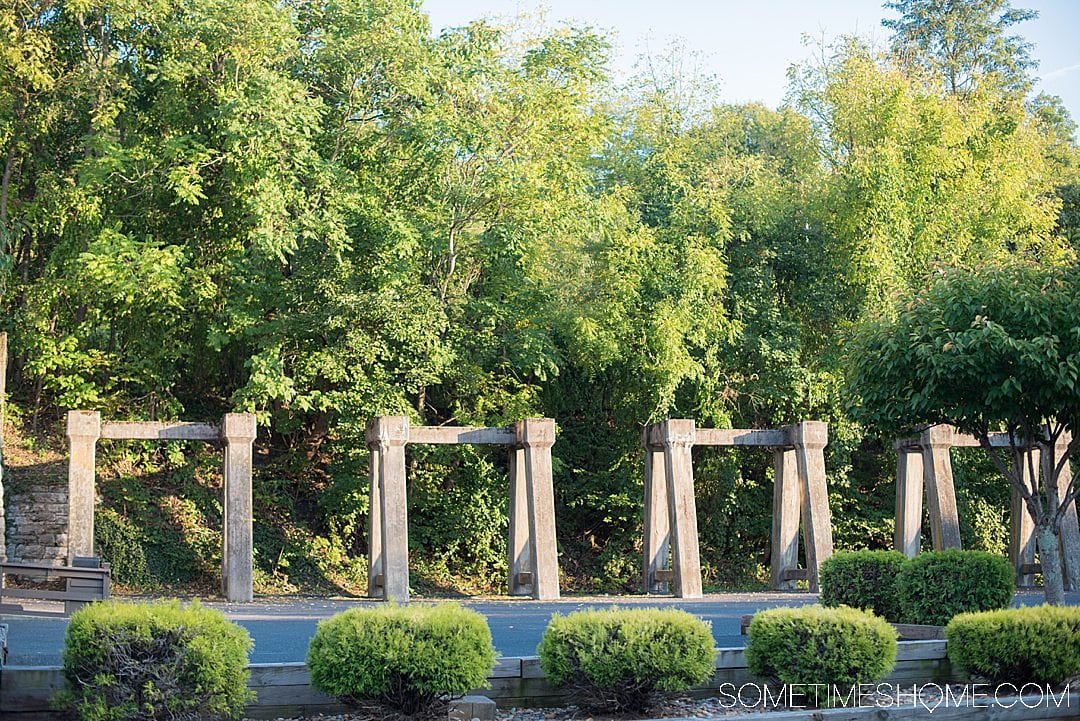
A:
[926, 461]
[236, 434]
[533, 555]
[799, 491]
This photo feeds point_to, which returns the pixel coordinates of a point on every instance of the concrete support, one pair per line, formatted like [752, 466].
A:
[83, 431]
[3, 391]
[375, 558]
[536, 436]
[238, 432]
[936, 443]
[809, 439]
[678, 439]
[1021, 524]
[787, 505]
[907, 535]
[519, 547]
[387, 436]
[1070, 529]
[657, 551]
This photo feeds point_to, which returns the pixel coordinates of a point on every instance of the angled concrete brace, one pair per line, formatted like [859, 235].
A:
[236, 432]
[799, 491]
[531, 545]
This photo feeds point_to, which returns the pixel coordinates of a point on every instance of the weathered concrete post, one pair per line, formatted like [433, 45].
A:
[909, 500]
[809, 439]
[375, 558]
[519, 546]
[238, 432]
[657, 551]
[1021, 524]
[787, 504]
[1070, 529]
[388, 435]
[936, 442]
[3, 391]
[83, 431]
[536, 436]
[677, 436]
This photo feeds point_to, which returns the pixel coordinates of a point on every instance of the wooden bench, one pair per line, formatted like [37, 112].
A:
[82, 583]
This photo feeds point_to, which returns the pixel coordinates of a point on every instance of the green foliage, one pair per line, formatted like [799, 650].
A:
[405, 657]
[936, 585]
[862, 579]
[1018, 645]
[816, 645]
[616, 659]
[154, 661]
[121, 545]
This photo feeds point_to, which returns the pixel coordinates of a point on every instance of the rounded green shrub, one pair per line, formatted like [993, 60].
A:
[1038, 644]
[407, 657]
[154, 661]
[936, 585]
[817, 645]
[616, 659]
[863, 579]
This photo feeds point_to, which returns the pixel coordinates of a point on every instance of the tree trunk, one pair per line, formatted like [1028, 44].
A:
[1053, 584]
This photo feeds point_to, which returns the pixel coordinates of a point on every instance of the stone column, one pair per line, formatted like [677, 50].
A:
[936, 443]
[678, 439]
[787, 502]
[238, 431]
[519, 546]
[536, 436]
[1070, 529]
[1021, 524]
[809, 439]
[375, 556]
[83, 431]
[3, 391]
[389, 434]
[656, 568]
[909, 500]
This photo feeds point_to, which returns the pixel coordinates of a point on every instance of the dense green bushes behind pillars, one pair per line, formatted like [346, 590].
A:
[615, 659]
[154, 661]
[935, 586]
[863, 579]
[817, 645]
[405, 657]
[1018, 645]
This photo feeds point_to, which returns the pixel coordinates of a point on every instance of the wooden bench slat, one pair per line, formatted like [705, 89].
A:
[48, 595]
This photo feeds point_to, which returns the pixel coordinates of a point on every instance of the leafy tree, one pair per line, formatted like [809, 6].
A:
[994, 348]
[963, 43]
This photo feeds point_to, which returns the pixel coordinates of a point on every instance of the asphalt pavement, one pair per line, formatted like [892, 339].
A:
[282, 626]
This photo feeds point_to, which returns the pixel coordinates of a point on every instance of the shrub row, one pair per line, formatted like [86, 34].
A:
[164, 661]
[928, 589]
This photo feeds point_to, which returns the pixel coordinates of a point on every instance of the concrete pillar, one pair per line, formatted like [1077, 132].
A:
[388, 435]
[83, 431]
[678, 439]
[936, 442]
[809, 439]
[657, 529]
[1070, 529]
[375, 556]
[536, 436]
[519, 547]
[909, 501]
[1021, 524]
[238, 432]
[3, 391]
[787, 503]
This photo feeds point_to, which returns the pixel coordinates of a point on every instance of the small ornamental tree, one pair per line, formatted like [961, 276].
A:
[987, 349]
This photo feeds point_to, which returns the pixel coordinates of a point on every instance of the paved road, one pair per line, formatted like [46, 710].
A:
[282, 627]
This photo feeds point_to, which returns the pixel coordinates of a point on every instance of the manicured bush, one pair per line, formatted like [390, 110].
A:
[863, 579]
[616, 659]
[817, 645]
[936, 585]
[1039, 644]
[407, 657]
[154, 661]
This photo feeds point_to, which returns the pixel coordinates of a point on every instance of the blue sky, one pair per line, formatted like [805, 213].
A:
[749, 45]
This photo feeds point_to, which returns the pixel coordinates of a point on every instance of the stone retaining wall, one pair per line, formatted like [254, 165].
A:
[36, 522]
